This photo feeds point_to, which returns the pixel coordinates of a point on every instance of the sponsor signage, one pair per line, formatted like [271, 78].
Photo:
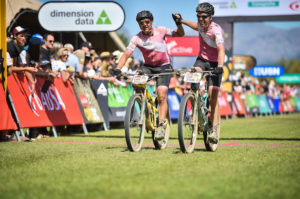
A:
[266, 71]
[174, 103]
[100, 88]
[293, 78]
[6, 121]
[56, 107]
[243, 62]
[81, 16]
[87, 102]
[183, 46]
[227, 8]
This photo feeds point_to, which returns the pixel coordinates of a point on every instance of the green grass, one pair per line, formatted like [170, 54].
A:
[45, 169]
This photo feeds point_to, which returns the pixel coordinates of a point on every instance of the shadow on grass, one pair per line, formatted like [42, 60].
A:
[270, 139]
[125, 149]
[107, 136]
[178, 151]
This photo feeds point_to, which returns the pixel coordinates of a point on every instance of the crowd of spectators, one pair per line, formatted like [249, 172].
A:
[247, 85]
[42, 55]
[37, 55]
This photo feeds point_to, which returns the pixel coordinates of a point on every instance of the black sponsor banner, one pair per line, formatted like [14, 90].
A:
[100, 88]
[117, 114]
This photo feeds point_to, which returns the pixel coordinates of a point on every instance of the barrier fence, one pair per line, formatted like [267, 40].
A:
[98, 101]
[6, 121]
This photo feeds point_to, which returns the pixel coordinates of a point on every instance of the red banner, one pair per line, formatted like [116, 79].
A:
[183, 46]
[224, 105]
[6, 120]
[238, 107]
[58, 106]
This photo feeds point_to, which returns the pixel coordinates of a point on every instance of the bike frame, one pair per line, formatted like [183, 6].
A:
[202, 101]
[148, 107]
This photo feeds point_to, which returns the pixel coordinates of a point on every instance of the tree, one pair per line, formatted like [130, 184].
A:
[290, 65]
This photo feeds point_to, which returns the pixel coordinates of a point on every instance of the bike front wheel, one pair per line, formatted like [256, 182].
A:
[135, 126]
[188, 123]
[162, 144]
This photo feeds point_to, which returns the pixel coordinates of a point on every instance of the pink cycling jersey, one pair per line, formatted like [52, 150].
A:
[153, 48]
[209, 40]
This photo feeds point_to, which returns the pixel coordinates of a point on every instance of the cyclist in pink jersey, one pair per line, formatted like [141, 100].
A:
[151, 42]
[211, 57]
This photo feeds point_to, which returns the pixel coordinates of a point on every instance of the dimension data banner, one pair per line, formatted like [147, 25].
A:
[226, 8]
[81, 16]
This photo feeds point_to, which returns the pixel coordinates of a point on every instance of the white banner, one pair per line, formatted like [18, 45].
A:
[226, 8]
[81, 16]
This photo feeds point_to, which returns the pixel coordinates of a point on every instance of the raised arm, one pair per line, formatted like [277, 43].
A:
[180, 31]
[178, 20]
[191, 24]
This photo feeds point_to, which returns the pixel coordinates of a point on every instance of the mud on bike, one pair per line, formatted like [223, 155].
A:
[142, 114]
[193, 118]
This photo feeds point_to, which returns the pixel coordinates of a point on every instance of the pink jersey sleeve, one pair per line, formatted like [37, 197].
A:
[132, 44]
[219, 35]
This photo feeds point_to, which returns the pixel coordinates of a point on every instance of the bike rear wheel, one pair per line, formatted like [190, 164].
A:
[188, 123]
[135, 126]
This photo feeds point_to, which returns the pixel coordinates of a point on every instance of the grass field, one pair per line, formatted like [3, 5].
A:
[257, 158]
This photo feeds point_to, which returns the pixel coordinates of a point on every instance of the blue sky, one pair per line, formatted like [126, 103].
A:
[162, 10]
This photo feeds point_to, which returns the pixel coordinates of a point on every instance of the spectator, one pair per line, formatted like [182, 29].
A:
[93, 54]
[81, 54]
[271, 88]
[72, 59]
[97, 65]
[89, 68]
[131, 66]
[16, 55]
[59, 66]
[33, 58]
[117, 55]
[129, 63]
[47, 46]
[45, 65]
[108, 61]
[54, 50]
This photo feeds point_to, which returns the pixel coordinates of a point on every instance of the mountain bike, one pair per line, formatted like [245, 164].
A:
[142, 114]
[194, 112]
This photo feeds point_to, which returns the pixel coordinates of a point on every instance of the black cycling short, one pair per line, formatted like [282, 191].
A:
[214, 80]
[161, 80]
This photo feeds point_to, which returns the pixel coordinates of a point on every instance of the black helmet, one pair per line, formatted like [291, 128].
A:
[206, 8]
[145, 14]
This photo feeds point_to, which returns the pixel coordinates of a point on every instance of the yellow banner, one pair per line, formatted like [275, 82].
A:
[3, 41]
[87, 101]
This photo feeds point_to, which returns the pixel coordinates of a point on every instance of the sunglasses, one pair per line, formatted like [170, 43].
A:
[65, 55]
[144, 22]
[202, 16]
[51, 41]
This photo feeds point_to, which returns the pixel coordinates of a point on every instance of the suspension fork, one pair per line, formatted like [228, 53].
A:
[143, 112]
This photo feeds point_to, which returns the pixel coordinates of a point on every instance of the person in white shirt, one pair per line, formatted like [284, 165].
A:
[59, 66]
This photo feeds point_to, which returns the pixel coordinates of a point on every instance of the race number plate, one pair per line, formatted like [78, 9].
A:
[192, 77]
[140, 79]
